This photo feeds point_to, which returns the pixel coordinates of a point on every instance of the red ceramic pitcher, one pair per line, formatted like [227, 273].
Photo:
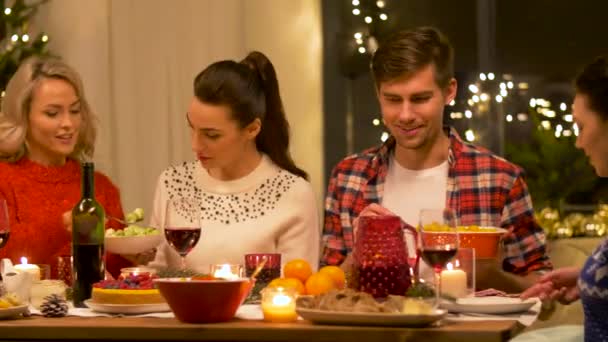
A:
[384, 263]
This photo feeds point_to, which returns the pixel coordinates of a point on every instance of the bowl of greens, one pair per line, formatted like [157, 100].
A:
[134, 238]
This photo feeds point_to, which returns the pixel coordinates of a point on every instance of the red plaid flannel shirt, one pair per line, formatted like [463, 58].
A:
[482, 188]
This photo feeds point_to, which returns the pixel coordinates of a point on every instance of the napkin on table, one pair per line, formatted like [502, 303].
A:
[247, 311]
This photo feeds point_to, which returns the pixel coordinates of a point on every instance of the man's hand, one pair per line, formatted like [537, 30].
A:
[371, 210]
[557, 285]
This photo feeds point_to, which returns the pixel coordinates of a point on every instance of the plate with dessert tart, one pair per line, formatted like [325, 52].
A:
[350, 307]
[129, 294]
[127, 309]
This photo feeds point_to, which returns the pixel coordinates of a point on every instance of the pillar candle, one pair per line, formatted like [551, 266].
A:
[454, 283]
[34, 270]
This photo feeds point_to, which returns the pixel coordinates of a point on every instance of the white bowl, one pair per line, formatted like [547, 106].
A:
[132, 244]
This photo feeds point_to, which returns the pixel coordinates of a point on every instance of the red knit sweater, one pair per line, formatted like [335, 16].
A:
[37, 196]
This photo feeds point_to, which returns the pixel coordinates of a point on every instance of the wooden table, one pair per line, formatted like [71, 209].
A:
[37, 328]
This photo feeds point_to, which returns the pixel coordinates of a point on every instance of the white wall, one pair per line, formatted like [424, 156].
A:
[138, 59]
[79, 32]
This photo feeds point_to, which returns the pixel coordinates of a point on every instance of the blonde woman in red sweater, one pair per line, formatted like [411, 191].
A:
[46, 129]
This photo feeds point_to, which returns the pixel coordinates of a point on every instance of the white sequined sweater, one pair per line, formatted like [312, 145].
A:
[268, 211]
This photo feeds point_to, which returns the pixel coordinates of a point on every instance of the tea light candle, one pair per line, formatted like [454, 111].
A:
[453, 282]
[279, 305]
[227, 271]
[127, 271]
[34, 270]
[44, 288]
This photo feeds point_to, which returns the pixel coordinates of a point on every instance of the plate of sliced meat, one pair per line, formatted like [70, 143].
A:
[350, 307]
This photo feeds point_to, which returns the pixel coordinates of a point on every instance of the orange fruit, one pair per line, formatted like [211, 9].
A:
[319, 283]
[336, 274]
[291, 283]
[297, 268]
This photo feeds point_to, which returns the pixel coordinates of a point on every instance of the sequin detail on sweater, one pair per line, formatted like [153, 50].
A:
[180, 181]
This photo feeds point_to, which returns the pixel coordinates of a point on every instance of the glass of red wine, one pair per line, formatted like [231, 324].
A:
[182, 225]
[5, 229]
[438, 241]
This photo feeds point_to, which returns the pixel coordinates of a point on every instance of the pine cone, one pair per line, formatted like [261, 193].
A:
[54, 306]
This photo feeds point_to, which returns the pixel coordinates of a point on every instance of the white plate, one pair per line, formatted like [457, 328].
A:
[13, 311]
[360, 318]
[128, 309]
[131, 244]
[489, 305]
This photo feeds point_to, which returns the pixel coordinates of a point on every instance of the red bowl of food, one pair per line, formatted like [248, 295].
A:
[485, 240]
[204, 301]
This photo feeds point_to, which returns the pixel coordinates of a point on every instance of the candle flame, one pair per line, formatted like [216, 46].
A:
[225, 272]
[457, 263]
[449, 266]
[281, 299]
[23, 260]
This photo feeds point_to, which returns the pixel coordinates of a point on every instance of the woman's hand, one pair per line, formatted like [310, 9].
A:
[557, 285]
[142, 258]
[66, 218]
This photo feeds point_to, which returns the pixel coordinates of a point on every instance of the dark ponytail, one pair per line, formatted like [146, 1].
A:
[251, 90]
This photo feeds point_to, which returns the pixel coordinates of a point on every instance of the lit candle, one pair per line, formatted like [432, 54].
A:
[127, 271]
[279, 305]
[44, 288]
[227, 271]
[34, 270]
[453, 282]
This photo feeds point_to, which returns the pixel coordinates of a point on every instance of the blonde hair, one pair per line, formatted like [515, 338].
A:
[16, 106]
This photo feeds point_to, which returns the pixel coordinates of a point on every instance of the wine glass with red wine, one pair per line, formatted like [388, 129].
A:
[5, 229]
[438, 241]
[182, 225]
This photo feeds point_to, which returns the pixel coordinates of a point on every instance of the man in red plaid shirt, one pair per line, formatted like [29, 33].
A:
[426, 165]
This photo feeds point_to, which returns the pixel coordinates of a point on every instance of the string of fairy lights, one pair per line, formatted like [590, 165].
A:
[488, 93]
[369, 12]
[19, 36]
[17, 42]
[488, 88]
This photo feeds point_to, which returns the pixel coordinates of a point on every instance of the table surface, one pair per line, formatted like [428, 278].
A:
[162, 329]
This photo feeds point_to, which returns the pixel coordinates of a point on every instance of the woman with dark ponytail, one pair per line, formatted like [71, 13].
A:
[254, 198]
[273, 139]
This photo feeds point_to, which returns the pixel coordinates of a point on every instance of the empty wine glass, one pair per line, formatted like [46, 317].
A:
[182, 225]
[438, 241]
[5, 229]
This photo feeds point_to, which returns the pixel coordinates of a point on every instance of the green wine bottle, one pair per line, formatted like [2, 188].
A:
[88, 221]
